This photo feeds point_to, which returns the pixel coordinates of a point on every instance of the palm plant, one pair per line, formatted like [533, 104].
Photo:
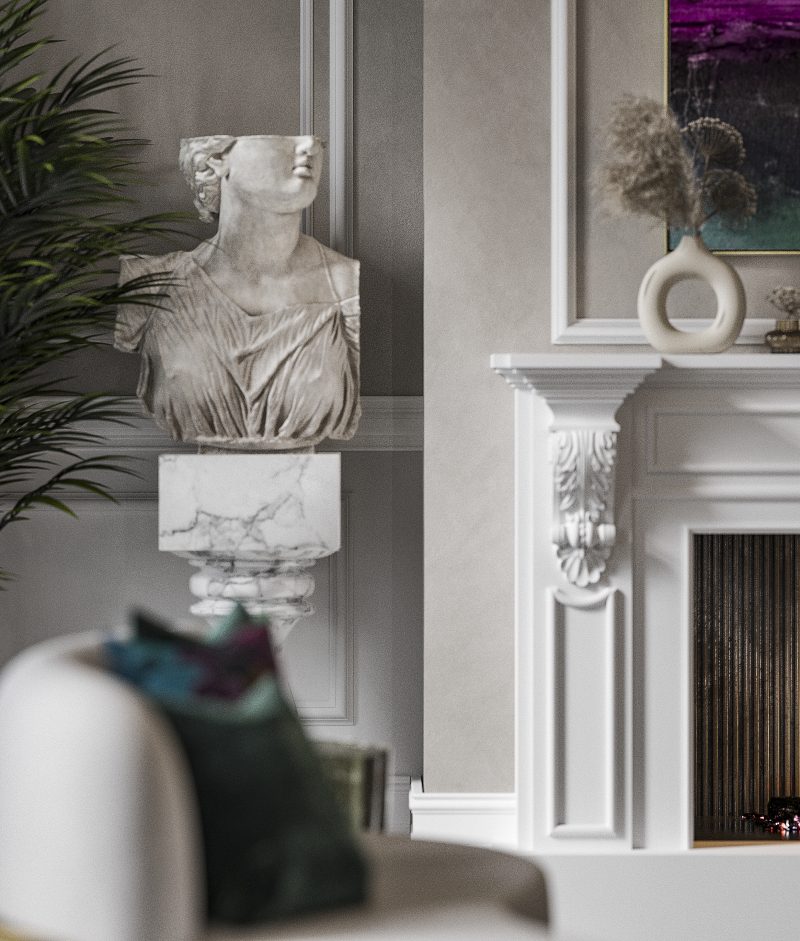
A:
[64, 168]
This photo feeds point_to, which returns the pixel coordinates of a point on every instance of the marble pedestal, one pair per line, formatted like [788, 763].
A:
[254, 524]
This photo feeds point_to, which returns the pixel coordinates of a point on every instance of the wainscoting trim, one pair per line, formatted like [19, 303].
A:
[388, 423]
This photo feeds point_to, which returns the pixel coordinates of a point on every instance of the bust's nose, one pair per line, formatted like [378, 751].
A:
[307, 144]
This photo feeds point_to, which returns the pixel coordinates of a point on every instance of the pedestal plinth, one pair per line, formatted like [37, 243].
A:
[254, 524]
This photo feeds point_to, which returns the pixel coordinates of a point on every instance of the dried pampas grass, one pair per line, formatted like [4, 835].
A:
[648, 170]
[680, 176]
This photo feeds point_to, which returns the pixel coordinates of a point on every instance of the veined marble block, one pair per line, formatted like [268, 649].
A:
[249, 506]
[254, 524]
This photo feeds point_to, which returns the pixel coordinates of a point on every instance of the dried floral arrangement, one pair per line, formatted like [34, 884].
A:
[680, 176]
[787, 300]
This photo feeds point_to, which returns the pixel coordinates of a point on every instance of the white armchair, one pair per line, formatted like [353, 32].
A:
[99, 836]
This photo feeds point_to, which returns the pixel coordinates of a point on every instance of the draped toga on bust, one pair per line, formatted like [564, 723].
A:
[214, 374]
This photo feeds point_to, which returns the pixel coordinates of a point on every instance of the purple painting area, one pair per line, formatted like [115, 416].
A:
[734, 27]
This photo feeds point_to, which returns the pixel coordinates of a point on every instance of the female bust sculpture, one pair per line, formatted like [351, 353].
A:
[257, 345]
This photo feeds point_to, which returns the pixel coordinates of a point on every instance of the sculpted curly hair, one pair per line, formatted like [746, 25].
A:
[203, 181]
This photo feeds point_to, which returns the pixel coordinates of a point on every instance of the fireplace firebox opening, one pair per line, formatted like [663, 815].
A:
[746, 687]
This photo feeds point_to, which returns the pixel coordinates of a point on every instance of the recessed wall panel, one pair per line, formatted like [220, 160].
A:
[585, 649]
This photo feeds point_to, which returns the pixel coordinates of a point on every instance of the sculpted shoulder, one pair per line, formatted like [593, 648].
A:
[344, 272]
[135, 266]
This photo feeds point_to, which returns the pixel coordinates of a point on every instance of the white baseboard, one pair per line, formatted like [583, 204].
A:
[480, 819]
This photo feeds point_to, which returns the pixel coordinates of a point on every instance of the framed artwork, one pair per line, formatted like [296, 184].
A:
[739, 60]
[601, 51]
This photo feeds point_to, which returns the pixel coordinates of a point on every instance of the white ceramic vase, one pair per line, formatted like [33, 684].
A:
[691, 259]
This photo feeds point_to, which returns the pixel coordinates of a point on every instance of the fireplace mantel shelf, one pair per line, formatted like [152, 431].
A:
[592, 373]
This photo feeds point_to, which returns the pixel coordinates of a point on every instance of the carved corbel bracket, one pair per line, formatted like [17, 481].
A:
[583, 501]
[584, 393]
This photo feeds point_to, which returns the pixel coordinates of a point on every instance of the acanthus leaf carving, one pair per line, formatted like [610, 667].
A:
[583, 393]
[583, 480]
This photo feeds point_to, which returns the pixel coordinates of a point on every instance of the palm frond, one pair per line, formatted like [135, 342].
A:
[66, 168]
[63, 479]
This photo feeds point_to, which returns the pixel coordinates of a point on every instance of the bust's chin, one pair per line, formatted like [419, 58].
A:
[294, 196]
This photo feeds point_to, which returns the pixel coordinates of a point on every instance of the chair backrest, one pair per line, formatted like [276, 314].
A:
[99, 837]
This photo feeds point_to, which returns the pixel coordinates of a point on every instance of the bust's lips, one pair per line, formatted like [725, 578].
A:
[302, 166]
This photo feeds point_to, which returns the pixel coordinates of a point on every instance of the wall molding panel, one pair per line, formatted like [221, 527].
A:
[585, 707]
[686, 440]
[307, 89]
[340, 145]
[336, 705]
[568, 324]
[340, 111]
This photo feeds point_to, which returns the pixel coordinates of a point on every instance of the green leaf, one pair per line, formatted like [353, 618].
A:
[67, 167]
[56, 504]
[91, 488]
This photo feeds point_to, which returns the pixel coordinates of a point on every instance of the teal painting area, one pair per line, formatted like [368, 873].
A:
[775, 229]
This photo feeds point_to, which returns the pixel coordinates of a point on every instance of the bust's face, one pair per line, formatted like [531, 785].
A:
[282, 173]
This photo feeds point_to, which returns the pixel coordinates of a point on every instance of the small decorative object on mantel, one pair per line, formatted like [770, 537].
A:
[682, 177]
[785, 338]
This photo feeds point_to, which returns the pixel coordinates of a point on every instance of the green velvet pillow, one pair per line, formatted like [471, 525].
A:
[276, 842]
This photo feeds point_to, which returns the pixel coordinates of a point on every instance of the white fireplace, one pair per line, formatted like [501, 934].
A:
[620, 460]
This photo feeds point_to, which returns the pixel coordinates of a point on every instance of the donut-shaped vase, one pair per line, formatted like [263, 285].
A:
[691, 259]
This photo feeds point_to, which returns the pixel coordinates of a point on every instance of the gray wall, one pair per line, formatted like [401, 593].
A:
[486, 290]
[388, 184]
[234, 67]
[200, 56]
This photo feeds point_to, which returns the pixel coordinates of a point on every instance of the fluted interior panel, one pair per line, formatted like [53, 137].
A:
[746, 671]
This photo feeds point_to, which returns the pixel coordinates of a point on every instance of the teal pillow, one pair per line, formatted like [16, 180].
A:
[276, 842]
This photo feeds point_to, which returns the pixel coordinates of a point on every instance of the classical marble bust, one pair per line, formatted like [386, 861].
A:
[256, 347]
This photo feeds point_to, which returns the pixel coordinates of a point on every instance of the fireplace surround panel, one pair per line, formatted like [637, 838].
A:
[691, 449]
